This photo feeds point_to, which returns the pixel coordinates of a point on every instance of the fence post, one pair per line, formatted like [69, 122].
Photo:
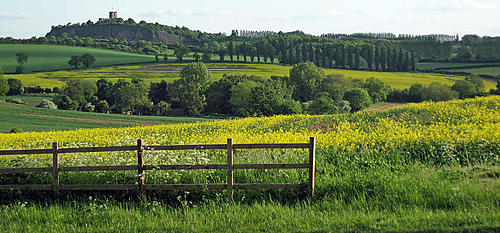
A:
[55, 166]
[230, 164]
[312, 163]
[140, 166]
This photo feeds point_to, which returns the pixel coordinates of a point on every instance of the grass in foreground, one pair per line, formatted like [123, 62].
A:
[171, 72]
[102, 216]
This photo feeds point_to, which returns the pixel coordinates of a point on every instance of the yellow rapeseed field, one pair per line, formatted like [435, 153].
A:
[416, 127]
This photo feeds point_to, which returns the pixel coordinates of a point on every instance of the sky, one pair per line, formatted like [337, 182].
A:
[27, 18]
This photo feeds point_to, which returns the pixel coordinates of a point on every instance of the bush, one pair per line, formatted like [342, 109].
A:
[344, 106]
[16, 130]
[358, 98]
[16, 101]
[438, 92]
[322, 105]
[47, 104]
[15, 87]
[102, 106]
[89, 107]
[465, 89]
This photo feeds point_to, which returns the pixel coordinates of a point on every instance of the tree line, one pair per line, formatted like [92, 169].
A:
[307, 89]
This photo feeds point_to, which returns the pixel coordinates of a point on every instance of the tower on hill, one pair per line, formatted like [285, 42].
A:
[112, 15]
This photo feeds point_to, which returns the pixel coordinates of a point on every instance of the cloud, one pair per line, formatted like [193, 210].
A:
[9, 15]
[323, 14]
[183, 12]
[461, 5]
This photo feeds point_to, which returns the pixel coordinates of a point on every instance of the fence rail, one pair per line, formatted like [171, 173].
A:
[141, 167]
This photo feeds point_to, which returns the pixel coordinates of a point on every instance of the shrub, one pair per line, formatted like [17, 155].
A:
[358, 98]
[438, 92]
[4, 86]
[16, 101]
[47, 104]
[16, 130]
[102, 106]
[322, 105]
[15, 87]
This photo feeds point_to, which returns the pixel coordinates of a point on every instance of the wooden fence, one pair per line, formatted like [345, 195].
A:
[141, 167]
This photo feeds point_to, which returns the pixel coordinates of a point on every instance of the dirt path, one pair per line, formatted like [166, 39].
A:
[385, 107]
[90, 120]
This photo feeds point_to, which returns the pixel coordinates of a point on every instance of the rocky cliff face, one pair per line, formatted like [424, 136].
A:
[120, 32]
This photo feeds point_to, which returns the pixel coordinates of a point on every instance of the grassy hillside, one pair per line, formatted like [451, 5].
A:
[170, 72]
[29, 118]
[449, 65]
[493, 71]
[56, 57]
[429, 167]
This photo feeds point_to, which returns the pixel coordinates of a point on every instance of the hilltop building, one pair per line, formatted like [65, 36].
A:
[112, 15]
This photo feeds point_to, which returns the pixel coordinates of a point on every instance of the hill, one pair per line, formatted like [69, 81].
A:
[171, 71]
[56, 57]
[120, 32]
[29, 118]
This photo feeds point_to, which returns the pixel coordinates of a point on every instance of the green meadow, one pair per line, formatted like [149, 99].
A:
[56, 57]
[171, 71]
[29, 118]
[493, 71]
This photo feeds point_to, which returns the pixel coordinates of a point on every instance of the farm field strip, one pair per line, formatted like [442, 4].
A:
[170, 72]
[56, 57]
[29, 118]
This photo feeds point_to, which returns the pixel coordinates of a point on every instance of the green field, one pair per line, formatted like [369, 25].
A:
[170, 72]
[493, 71]
[56, 57]
[448, 65]
[29, 118]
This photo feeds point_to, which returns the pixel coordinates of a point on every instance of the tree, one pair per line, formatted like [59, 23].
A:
[78, 92]
[273, 97]
[102, 106]
[196, 57]
[377, 89]
[132, 97]
[465, 89]
[88, 60]
[335, 85]
[306, 78]
[22, 58]
[75, 61]
[230, 50]
[105, 90]
[159, 92]
[240, 101]
[180, 51]
[195, 79]
[15, 87]
[4, 85]
[323, 104]
[438, 92]
[219, 93]
[358, 98]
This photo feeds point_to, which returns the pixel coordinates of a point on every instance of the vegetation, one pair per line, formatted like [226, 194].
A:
[170, 72]
[55, 57]
[29, 118]
[422, 167]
